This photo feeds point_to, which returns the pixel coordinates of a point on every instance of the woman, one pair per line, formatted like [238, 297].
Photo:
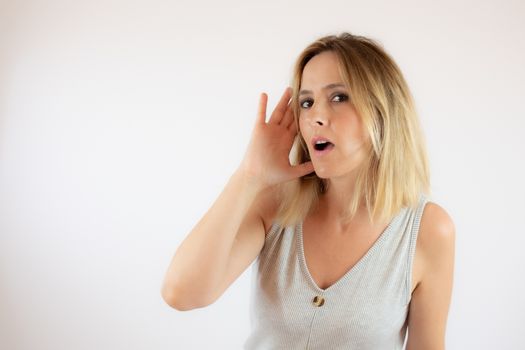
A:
[350, 251]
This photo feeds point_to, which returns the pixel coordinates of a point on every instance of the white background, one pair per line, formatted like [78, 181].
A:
[121, 121]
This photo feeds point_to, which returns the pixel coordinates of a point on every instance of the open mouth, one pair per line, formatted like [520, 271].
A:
[323, 145]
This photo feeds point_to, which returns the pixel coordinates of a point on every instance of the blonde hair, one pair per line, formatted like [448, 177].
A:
[395, 171]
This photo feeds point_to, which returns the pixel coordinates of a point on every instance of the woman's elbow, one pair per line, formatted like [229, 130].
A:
[179, 300]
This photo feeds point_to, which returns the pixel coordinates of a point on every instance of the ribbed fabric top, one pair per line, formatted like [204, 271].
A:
[367, 308]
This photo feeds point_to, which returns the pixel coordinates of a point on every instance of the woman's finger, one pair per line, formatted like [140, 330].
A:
[280, 109]
[292, 128]
[288, 116]
[261, 114]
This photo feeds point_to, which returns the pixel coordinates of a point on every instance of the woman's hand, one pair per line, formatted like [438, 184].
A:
[266, 161]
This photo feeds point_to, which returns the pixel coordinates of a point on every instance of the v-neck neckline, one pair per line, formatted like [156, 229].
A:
[381, 238]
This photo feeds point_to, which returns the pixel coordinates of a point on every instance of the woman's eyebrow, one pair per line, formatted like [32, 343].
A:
[327, 87]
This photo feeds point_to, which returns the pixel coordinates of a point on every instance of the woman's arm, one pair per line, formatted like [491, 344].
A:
[430, 301]
[231, 233]
[199, 265]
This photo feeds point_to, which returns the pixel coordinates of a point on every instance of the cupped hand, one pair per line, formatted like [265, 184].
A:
[266, 161]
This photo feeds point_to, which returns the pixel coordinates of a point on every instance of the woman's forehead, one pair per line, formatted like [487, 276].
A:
[321, 71]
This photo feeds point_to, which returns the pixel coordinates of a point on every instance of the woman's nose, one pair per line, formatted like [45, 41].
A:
[320, 121]
[320, 115]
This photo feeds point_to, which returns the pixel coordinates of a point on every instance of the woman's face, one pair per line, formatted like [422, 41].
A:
[326, 111]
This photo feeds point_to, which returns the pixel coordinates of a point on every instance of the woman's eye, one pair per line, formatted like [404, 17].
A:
[338, 98]
[302, 104]
[341, 97]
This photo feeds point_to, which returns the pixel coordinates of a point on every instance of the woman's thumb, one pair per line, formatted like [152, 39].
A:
[303, 169]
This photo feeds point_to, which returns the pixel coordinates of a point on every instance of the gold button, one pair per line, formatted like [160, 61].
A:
[318, 301]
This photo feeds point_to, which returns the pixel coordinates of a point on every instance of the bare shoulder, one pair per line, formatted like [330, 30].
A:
[435, 247]
[431, 297]
[437, 234]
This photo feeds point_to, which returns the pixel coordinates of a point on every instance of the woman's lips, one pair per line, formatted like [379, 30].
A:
[314, 140]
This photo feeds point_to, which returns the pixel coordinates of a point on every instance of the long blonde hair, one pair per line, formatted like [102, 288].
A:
[396, 169]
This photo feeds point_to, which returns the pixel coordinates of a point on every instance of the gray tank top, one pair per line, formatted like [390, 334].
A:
[367, 308]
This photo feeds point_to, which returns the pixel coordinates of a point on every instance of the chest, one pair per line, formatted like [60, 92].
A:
[329, 256]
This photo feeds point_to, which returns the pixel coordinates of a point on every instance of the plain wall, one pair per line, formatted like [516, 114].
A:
[121, 122]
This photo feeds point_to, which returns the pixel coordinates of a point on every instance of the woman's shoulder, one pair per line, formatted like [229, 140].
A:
[436, 231]
[436, 219]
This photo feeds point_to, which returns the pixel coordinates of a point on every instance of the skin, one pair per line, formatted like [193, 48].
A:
[330, 113]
